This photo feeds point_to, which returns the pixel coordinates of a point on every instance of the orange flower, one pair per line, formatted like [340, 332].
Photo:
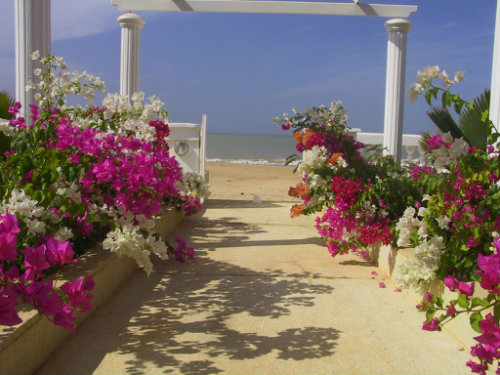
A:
[299, 191]
[296, 210]
[298, 136]
[335, 158]
[308, 134]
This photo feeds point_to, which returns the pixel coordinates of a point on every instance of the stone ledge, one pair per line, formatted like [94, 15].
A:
[23, 348]
[388, 259]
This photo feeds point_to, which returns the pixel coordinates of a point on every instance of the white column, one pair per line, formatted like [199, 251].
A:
[32, 23]
[495, 74]
[131, 25]
[397, 28]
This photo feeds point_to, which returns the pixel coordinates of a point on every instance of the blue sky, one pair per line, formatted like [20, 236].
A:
[243, 70]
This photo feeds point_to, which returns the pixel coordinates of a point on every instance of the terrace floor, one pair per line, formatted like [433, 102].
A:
[263, 296]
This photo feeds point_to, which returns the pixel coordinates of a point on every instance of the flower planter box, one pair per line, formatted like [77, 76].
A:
[23, 348]
[389, 258]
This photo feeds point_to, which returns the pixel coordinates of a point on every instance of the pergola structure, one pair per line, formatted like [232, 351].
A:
[33, 33]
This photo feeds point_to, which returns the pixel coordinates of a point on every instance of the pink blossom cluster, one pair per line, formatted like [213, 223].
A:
[421, 170]
[182, 251]
[25, 285]
[363, 227]
[125, 171]
[435, 142]
[465, 201]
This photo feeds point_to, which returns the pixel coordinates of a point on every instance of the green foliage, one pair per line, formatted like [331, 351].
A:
[473, 123]
[6, 101]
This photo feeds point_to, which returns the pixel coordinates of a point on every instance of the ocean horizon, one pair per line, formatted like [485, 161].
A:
[250, 148]
[253, 149]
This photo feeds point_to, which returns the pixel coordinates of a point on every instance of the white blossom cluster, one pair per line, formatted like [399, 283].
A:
[312, 159]
[129, 240]
[195, 185]
[25, 208]
[56, 83]
[418, 273]
[35, 217]
[443, 155]
[137, 113]
[426, 75]
[337, 114]
[6, 128]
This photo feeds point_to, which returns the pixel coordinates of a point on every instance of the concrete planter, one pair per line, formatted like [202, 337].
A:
[23, 348]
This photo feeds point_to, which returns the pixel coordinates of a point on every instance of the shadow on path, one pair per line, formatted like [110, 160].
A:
[185, 318]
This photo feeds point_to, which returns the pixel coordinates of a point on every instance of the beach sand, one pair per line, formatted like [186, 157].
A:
[246, 181]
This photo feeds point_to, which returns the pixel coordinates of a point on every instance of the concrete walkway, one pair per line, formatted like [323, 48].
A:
[262, 297]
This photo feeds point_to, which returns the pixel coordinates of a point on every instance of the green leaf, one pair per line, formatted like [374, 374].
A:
[475, 318]
[446, 99]
[496, 312]
[428, 97]
[429, 314]
[479, 302]
[463, 302]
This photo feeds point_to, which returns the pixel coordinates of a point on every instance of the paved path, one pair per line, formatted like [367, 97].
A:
[262, 297]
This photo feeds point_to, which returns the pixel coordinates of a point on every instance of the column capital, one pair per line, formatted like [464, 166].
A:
[131, 20]
[398, 24]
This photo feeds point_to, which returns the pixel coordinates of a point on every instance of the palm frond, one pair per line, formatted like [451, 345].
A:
[444, 121]
[474, 126]
[6, 101]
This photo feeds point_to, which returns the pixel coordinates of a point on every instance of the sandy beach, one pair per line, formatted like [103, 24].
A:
[244, 181]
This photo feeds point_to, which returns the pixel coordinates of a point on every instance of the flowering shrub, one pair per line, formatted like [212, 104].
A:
[25, 284]
[77, 176]
[447, 208]
[359, 197]
[457, 224]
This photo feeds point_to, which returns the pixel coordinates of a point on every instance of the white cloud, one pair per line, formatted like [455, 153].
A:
[78, 18]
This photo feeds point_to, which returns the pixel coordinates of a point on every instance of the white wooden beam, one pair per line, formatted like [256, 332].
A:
[272, 7]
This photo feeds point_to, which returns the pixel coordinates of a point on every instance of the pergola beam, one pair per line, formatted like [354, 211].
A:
[270, 7]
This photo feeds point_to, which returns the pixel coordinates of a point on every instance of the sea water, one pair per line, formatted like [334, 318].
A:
[250, 149]
[254, 149]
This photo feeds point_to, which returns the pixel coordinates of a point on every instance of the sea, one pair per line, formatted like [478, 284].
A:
[250, 149]
[257, 149]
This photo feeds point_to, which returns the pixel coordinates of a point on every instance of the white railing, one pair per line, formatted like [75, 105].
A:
[410, 143]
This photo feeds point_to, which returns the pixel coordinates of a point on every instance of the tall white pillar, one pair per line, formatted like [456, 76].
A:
[495, 74]
[397, 28]
[32, 23]
[131, 25]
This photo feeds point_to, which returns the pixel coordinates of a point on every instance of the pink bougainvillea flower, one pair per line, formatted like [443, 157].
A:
[490, 332]
[381, 285]
[398, 290]
[374, 273]
[466, 289]
[44, 297]
[477, 367]
[77, 292]
[64, 318]
[433, 325]
[451, 311]
[483, 352]
[434, 142]
[489, 269]
[451, 282]
[58, 252]
[428, 297]
[35, 261]
[8, 236]
[8, 314]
